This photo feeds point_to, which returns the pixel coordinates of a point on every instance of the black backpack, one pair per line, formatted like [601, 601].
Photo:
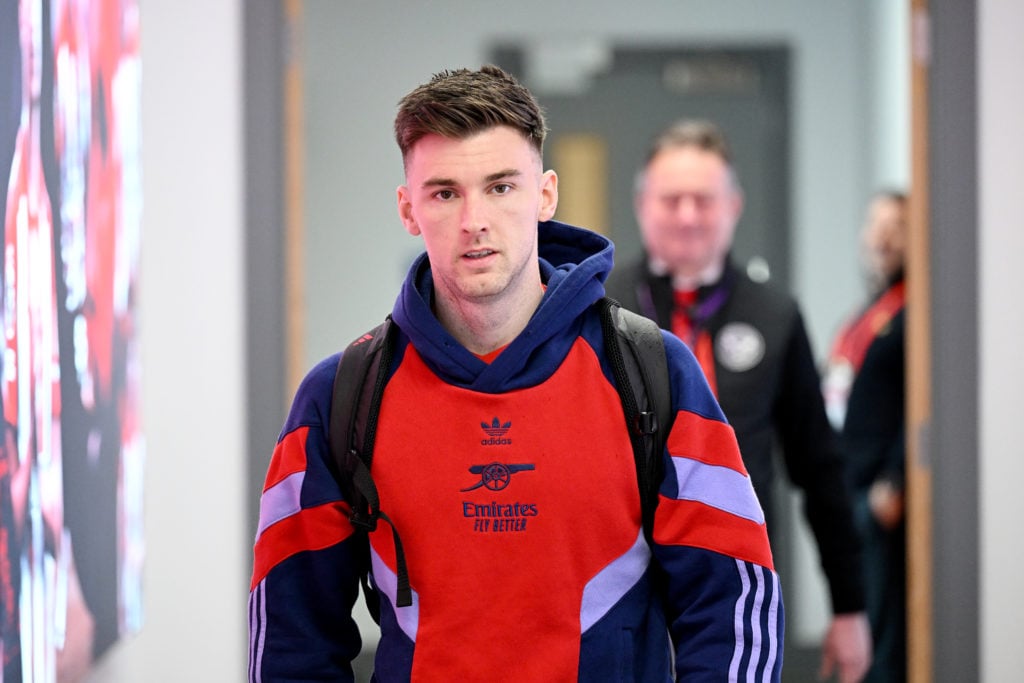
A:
[635, 351]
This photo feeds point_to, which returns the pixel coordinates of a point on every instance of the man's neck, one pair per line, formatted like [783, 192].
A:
[489, 324]
[685, 280]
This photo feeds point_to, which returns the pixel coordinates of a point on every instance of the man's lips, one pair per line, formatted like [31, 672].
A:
[478, 253]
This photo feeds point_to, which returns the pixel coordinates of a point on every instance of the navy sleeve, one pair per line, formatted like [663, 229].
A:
[306, 559]
[723, 598]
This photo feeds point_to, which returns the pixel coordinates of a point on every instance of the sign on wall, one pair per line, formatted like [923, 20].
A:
[71, 448]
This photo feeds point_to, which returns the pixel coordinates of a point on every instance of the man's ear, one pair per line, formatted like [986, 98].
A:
[405, 211]
[738, 202]
[548, 196]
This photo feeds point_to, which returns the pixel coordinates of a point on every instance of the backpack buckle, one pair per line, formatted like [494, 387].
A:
[646, 423]
[363, 520]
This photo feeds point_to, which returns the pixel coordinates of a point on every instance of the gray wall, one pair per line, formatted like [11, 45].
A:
[950, 438]
[1000, 470]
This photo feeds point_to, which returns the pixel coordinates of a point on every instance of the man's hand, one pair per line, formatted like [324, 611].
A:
[886, 503]
[847, 648]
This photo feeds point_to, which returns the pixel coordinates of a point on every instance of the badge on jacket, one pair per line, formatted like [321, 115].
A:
[739, 347]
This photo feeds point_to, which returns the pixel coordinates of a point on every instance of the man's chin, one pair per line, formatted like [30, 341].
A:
[690, 265]
[481, 292]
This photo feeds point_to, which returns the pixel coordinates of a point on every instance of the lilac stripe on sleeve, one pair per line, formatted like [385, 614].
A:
[755, 623]
[257, 631]
[773, 621]
[281, 500]
[738, 622]
[717, 486]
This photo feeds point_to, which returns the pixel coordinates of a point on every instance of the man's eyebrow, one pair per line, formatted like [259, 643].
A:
[450, 182]
[507, 173]
[438, 182]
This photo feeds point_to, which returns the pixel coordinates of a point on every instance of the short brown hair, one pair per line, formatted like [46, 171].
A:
[460, 103]
[892, 194]
[704, 135]
[698, 133]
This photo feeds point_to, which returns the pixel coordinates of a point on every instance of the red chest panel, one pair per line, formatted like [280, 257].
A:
[507, 505]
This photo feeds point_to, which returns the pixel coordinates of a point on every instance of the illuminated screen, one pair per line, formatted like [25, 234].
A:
[71, 449]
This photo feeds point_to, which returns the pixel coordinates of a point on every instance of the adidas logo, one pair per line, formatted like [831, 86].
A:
[496, 431]
[496, 428]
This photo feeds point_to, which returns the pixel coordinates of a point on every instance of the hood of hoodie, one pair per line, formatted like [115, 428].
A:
[574, 264]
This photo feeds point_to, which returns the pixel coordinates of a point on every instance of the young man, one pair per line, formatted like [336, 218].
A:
[546, 575]
[750, 341]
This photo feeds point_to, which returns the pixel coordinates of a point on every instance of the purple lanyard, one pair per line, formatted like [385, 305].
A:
[700, 312]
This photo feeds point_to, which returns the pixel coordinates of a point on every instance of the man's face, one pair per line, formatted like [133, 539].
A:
[687, 209]
[476, 203]
[885, 238]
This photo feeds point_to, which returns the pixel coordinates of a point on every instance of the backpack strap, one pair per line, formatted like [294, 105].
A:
[636, 352]
[358, 388]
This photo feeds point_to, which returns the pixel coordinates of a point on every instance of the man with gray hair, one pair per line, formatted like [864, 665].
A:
[750, 340]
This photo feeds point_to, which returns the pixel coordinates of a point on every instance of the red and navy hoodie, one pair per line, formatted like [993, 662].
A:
[513, 487]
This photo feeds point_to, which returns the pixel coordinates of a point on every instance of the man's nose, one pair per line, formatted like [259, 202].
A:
[686, 210]
[473, 214]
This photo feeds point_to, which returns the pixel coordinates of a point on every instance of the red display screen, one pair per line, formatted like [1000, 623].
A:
[71, 448]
